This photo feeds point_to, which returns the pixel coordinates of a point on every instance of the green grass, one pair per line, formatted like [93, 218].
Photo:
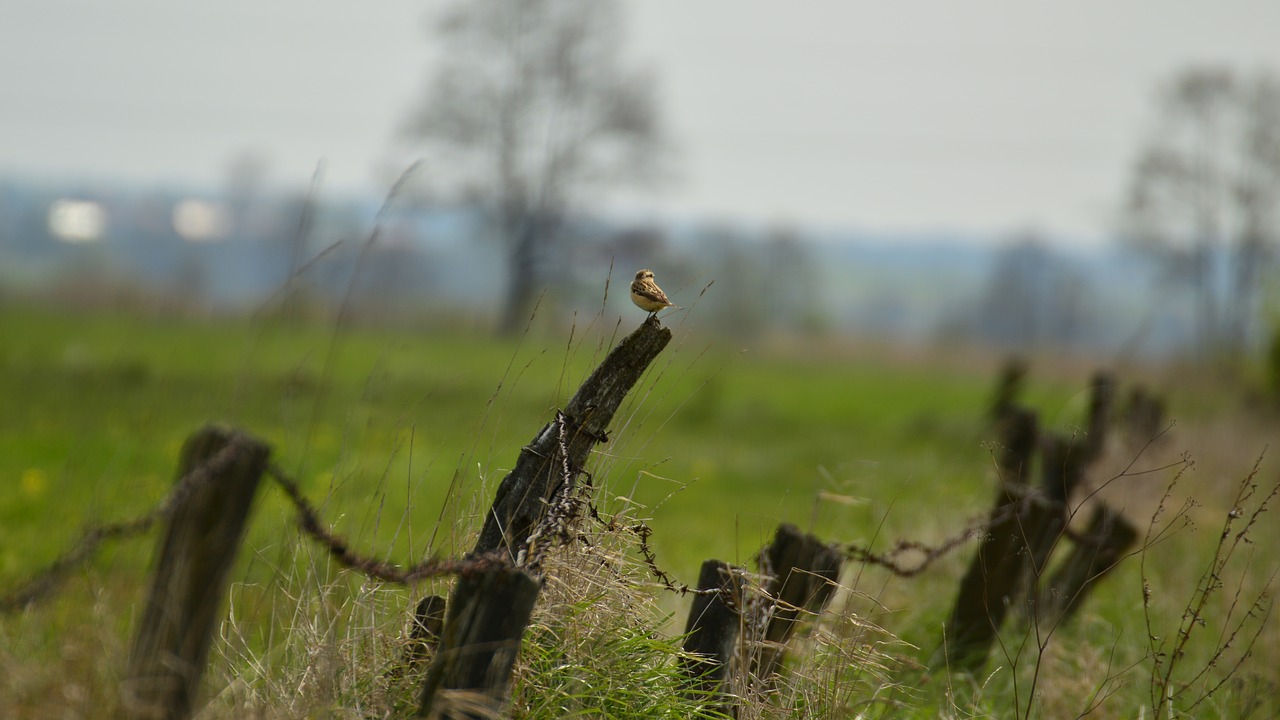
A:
[719, 446]
[401, 436]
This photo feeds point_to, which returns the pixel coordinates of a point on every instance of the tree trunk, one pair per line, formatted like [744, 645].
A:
[523, 278]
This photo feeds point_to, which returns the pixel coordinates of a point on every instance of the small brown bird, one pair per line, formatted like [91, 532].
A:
[646, 294]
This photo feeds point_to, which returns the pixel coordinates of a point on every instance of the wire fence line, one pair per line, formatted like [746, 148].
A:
[895, 560]
[42, 584]
[339, 548]
[556, 529]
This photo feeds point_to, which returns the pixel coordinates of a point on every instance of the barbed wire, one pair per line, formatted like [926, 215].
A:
[642, 532]
[564, 508]
[556, 529]
[46, 580]
[976, 527]
[340, 550]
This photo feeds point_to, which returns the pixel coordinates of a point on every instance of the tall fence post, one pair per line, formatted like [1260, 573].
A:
[218, 476]
[1102, 392]
[1143, 416]
[995, 577]
[1062, 464]
[523, 495]
[488, 611]
[1008, 387]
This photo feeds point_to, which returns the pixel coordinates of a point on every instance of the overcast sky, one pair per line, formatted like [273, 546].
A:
[978, 117]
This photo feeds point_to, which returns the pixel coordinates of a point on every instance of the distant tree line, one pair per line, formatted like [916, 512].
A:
[1204, 198]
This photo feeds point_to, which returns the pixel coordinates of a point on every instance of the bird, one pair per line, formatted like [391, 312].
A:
[646, 294]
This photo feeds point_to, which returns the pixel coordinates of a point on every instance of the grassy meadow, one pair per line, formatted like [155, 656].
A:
[400, 437]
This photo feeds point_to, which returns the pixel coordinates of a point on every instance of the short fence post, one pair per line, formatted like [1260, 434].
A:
[715, 620]
[1109, 536]
[803, 572]
[219, 473]
[470, 674]
[995, 577]
[427, 627]
[1143, 416]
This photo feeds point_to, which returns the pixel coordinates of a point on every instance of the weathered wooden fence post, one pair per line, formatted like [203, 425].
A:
[803, 572]
[475, 657]
[1063, 461]
[714, 625]
[218, 477]
[1062, 464]
[1143, 416]
[523, 496]
[471, 672]
[1025, 527]
[995, 577]
[426, 627]
[1102, 392]
[1105, 542]
[1008, 387]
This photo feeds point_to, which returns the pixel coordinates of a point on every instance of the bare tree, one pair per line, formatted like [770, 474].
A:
[530, 110]
[738, 306]
[1203, 194]
[1034, 296]
[1256, 192]
[790, 283]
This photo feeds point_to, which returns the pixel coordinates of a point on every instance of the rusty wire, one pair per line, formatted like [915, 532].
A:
[340, 550]
[555, 529]
[44, 581]
[976, 527]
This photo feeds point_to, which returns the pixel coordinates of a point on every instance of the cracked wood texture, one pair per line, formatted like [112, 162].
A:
[522, 497]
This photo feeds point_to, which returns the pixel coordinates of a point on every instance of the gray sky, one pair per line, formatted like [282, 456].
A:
[981, 116]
